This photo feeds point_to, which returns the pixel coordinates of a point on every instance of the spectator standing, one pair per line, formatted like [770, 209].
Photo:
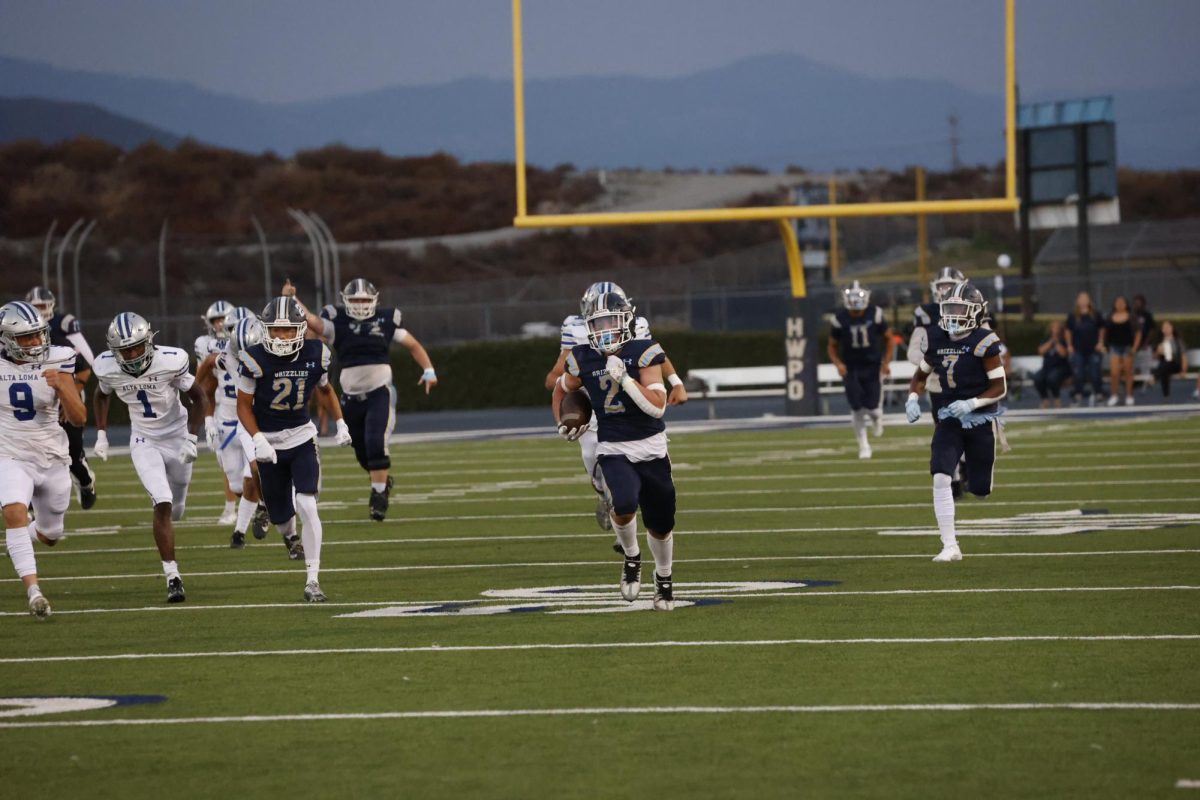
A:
[1121, 337]
[1172, 357]
[1082, 328]
[1144, 320]
[1056, 367]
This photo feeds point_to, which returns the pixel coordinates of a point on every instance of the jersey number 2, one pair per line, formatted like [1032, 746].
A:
[20, 396]
[610, 387]
[283, 389]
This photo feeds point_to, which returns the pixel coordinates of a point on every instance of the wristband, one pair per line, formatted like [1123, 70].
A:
[101, 436]
[674, 380]
[429, 375]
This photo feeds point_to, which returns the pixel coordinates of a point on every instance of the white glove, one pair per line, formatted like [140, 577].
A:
[101, 448]
[913, 408]
[263, 451]
[960, 408]
[212, 434]
[187, 451]
[615, 368]
[342, 435]
[571, 434]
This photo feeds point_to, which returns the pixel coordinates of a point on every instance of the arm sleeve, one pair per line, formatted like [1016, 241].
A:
[81, 347]
[328, 329]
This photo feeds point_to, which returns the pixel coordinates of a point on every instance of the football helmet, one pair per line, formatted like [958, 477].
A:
[588, 301]
[236, 315]
[18, 320]
[361, 298]
[856, 297]
[244, 333]
[43, 300]
[946, 279]
[610, 323]
[962, 309]
[129, 331]
[283, 314]
[214, 319]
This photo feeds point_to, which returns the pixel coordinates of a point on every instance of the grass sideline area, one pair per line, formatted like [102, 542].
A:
[818, 658]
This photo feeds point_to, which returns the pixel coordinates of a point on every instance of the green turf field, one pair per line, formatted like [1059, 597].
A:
[820, 658]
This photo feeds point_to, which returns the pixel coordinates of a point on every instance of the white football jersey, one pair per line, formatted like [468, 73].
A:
[153, 396]
[575, 331]
[226, 389]
[29, 429]
[206, 345]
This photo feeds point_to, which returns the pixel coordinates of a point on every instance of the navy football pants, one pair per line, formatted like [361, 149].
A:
[370, 418]
[862, 386]
[951, 441]
[298, 467]
[644, 484]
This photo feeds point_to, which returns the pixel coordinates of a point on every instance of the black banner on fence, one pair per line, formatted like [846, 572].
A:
[800, 344]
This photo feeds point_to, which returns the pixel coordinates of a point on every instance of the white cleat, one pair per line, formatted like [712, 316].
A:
[631, 578]
[228, 518]
[864, 451]
[39, 606]
[949, 553]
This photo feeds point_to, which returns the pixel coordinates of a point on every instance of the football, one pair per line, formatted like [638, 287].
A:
[576, 409]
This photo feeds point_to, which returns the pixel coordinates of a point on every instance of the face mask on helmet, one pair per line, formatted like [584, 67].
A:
[610, 325]
[587, 303]
[283, 326]
[24, 334]
[361, 299]
[856, 298]
[43, 300]
[131, 342]
[214, 319]
[959, 314]
[135, 358]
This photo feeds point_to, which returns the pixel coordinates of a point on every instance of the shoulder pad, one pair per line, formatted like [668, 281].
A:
[329, 311]
[326, 356]
[650, 354]
[572, 364]
[396, 317]
[985, 343]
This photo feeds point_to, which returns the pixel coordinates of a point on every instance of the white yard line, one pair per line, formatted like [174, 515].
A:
[612, 711]
[478, 648]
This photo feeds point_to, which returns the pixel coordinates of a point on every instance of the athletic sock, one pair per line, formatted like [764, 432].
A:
[627, 536]
[663, 550]
[858, 421]
[170, 569]
[33, 591]
[306, 505]
[288, 529]
[20, 550]
[229, 505]
[943, 509]
[245, 513]
[379, 487]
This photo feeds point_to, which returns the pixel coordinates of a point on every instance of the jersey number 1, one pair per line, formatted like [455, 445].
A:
[147, 409]
[858, 336]
[283, 389]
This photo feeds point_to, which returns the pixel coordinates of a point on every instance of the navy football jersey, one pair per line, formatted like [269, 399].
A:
[958, 363]
[619, 419]
[359, 342]
[61, 326]
[284, 385]
[860, 339]
[927, 315]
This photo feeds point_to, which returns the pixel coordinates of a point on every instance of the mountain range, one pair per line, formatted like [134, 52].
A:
[766, 111]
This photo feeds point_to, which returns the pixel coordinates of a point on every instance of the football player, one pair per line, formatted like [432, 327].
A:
[623, 379]
[276, 380]
[65, 332]
[855, 336]
[926, 315]
[162, 439]
[574, 332]
[37, 382]
[362, 333]
[967, 358]
[224, 434]
[209, 343]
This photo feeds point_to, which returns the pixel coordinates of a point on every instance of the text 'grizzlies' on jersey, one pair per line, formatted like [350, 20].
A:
[619, 419]
[153, 397]
[283, 385]
[574, 331]
[860, 339]
[29, 429]
[958, 363]
[361, 341]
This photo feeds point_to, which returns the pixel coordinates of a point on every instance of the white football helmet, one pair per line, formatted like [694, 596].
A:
[19, 320]
[129, 332]
[361, 298]
[856, 297]
[245, 333]
[588, 301]
[214, 319]
[283, 325]
[946, 280]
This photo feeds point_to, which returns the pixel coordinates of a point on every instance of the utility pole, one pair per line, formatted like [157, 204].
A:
[955, 161]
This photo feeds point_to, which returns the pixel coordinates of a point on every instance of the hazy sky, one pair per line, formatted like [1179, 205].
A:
[304, 49]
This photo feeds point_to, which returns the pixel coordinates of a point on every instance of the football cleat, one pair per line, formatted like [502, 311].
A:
[260, 522]
[878, 425]
[617, 548]
[956, 489]
[313, 593]
[379, 501]
[39, 606]
[603, 507]
[87, 496]
[949, 553]
[864, 451]
[175, 590]
[631, 578]
[227, 518]
[294, 546]
[664, 594]
[238, 540]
